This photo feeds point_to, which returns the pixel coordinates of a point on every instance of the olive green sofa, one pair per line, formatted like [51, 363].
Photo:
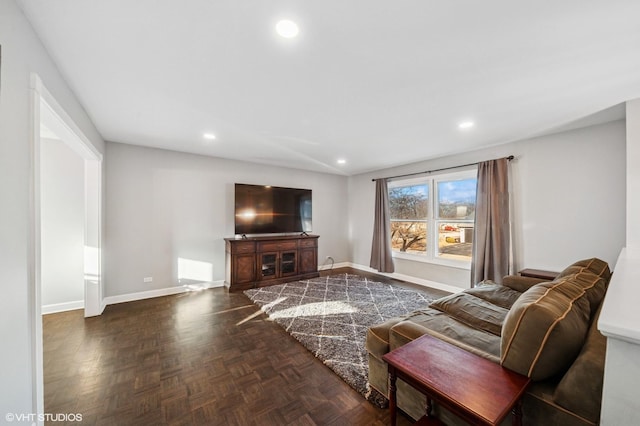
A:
[544, 330]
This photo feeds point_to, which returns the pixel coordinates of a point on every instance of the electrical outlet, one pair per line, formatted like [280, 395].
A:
[148, 279]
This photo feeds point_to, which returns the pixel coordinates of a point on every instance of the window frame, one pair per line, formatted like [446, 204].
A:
[432, 255]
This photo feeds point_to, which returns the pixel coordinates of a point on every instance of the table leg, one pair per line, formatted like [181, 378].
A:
[392, 395]
[429, 410]
[517, 414]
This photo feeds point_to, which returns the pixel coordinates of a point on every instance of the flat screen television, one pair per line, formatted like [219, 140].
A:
[261, 209]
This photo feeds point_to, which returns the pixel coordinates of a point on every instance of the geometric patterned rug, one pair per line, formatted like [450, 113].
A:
[330, 316]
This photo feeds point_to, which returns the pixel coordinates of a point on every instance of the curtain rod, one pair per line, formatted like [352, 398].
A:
[511, 157]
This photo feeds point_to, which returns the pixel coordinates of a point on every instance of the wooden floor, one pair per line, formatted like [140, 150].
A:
[201, 358]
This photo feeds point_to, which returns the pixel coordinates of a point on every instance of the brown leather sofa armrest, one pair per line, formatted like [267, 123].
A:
[377, 341]
[404, 332]
[520, 283]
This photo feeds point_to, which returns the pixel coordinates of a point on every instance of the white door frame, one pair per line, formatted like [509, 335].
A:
[44, 105]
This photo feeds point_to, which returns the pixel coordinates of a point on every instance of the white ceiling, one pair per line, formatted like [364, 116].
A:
[378, 83]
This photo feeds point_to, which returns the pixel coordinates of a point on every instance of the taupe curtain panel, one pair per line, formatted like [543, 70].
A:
[492, 239]
[381, 258]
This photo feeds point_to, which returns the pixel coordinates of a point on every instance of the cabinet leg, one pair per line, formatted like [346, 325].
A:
[517, 414]
[429, 409]
[392, 395]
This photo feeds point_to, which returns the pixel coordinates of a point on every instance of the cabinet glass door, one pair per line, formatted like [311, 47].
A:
[288, 265]
[268, 265]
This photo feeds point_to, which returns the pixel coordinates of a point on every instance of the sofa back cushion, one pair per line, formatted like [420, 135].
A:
[497, 294]
[473, 311]
[593, 265]
[580, 389]
[597, 267]
[545, 329]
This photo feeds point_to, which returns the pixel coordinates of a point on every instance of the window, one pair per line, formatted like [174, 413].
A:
[409, 211]
[432, 217]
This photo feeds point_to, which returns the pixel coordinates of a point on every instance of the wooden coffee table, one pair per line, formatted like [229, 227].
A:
[479, 391]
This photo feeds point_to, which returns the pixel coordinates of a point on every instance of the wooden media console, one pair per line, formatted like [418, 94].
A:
[262, 261]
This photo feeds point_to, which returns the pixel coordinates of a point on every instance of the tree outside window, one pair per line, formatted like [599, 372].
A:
[409, 208]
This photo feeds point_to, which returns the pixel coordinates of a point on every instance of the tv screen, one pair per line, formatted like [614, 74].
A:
[263, 209]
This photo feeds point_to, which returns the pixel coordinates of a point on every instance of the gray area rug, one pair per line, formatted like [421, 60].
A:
[330, 316]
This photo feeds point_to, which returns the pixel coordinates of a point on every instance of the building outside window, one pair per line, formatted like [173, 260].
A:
[432, 217]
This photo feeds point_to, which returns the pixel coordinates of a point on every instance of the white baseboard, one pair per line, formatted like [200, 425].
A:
[103, 305]
[130, 297]
[428, 283]
[410, 279]
[62, 307]
[335, 265]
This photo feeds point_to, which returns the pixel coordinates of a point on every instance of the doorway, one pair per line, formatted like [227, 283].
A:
[49, 120]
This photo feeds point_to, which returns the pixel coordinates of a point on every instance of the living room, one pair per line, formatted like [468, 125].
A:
[573, 197]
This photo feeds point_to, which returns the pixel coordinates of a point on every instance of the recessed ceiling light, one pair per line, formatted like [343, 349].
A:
[341, 161]
[287, 29]
[209, 136]
[466, 125]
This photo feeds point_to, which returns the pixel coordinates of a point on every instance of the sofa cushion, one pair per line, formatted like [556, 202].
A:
[580, 389]
[600, 268]
[593, 265]
[546, 327]
[441, 325]
[472, 311]
[497, 294]
[521, 284]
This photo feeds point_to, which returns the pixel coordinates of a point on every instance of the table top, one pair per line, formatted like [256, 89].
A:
[468, 384]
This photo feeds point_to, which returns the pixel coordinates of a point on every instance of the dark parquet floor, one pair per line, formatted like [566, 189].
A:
[201, 358]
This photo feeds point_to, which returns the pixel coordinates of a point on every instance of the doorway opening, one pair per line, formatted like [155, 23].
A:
[70, 221]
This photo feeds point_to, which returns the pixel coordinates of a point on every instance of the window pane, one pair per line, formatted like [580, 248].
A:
[409, 202]
[454, 240]
[409, 237]
[457, 199]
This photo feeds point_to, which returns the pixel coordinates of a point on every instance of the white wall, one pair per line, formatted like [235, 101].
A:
[162, 206]
[633, 174]
[22, 54]
[568, 201]
[62, 226]
[619, 320]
